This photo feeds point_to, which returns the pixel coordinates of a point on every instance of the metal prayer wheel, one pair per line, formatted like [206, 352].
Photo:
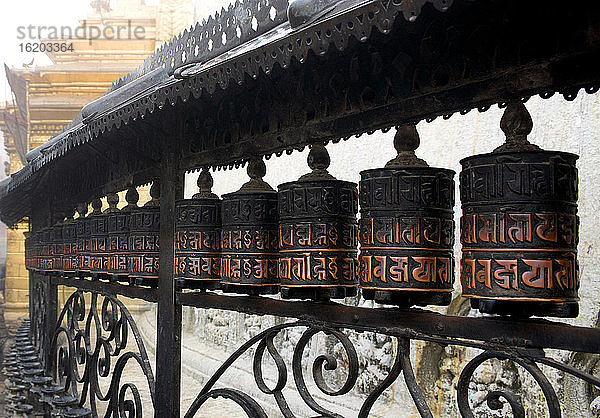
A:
[69, 242]
[198, 238]
[118, 236]
[30, 251]
[55, 248]
[39, 249]
[407, 229]
[249, 236]
[143, 245]
[46, 255]
[41, 253]
[31, 248]
[318, 233]
[32, 244]
[37, 245]
[97, 255]
[519, 229]
[83, 241]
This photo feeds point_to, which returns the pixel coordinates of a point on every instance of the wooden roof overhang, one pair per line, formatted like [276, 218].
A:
[273, 86]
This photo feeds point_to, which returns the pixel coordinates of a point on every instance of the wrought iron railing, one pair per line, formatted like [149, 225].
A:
[95, 337]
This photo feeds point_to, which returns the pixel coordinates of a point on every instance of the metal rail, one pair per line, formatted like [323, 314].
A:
[110, 288]
[414, 323]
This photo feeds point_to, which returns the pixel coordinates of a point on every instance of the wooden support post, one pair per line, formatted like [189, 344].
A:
[168, 338]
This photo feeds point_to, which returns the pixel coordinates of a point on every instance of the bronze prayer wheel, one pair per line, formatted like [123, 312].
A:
[69, 242]
[519, 229]
[318, 233]
[29, 251]
[46, 247]
[407, 229]
[249, 236]
[143, 244]
[98, 254]
[32, 248]
[117, 229]
[56, 248]
[36, 241]
[83, 245]
[36, 249]
[40, 250]
[46, 250]
[198, 238]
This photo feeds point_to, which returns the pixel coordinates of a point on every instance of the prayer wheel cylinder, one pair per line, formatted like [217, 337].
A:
[56, 248]
[69, 242]
[143, 244]
[318, 233]
[29, 251]
[519, 228]
[32, 248]
[98, 254]
[34, 239]
[83, 246]
[249, 236]
[34, 242]
[49, 250]
[198, 238]
[407, 229]
[118, 237]
[43, 250]
[34, 264]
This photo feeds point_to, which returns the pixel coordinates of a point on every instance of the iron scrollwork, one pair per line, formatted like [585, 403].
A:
[324, 362]
[265, 341]
[529, 359]
[38, 312]
[91, 342]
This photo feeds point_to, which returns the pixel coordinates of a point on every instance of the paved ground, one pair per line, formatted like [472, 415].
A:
[3, 392]
[5, 343]
[213, 408]
[219, 408]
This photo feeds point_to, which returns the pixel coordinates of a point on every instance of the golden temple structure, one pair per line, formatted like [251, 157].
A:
[46, 98]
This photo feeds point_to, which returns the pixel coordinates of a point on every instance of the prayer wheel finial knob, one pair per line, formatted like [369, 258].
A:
[96, 206]
[205, 183]
[154, 194]
[516, 123]
[318, 160]
[256, 168]
[256, 171]
[113, 200]
[318, 157]
[131, 197]
[406, 141]
[407, 138]
[82, 209]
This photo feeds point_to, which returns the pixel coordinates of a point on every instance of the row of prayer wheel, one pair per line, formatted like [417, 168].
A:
[117, 244]
[518, 230]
